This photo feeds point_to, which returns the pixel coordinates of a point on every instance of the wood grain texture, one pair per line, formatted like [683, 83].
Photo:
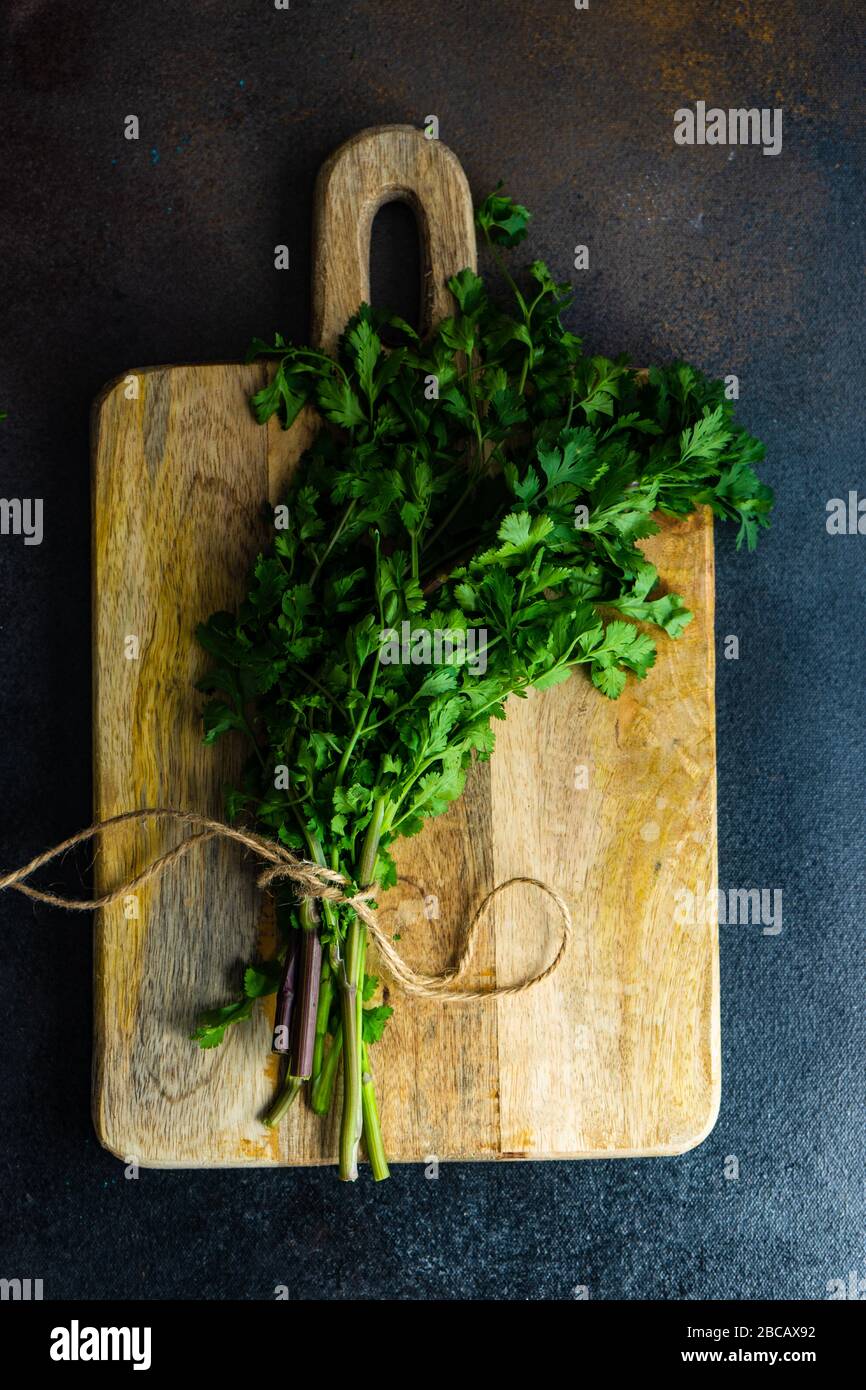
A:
[373, 168]
[619, 1052]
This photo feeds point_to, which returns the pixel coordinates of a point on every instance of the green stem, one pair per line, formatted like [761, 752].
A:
[474, 473]
[570, 406]
[476, 421]
[359, 1014]
[367, 862]
[317, 854]
[350, 989]
[417, 770]
[291, 1089]
[527, 310]
[372, 1129]
[362, 719]
[503, 269]
[525, 370]
[352, 1005]
[326, 995]
[322, 1091]
[347, 512]
[392, 714]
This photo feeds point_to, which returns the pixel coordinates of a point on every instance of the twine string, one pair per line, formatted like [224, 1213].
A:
[311, 881]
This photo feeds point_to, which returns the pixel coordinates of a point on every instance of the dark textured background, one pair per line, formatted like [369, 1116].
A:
[114, 254]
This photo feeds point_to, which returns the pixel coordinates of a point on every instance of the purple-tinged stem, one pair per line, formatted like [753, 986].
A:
[309, 975]
[286, 994]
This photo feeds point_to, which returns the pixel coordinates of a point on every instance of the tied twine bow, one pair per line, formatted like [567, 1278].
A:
[311, 881]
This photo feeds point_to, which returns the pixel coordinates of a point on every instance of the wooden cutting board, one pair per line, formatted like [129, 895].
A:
[614, 803]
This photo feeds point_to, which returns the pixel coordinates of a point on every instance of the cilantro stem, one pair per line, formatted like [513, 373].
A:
[322, 357]
[476, 423]
[417, 771]
[362, 719]
[288, 1094]
[503, 268]
[372, 1128]
[335, 536]
[413, 541]
[351, 1124]
[318, 856]
[285, 1003]
[386, 719]
[367, 862]
[351, 991]
[326, 995]
[322, 1092]
[299, 990]
[474, 474]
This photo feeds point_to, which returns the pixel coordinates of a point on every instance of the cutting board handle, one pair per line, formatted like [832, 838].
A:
[377, 166]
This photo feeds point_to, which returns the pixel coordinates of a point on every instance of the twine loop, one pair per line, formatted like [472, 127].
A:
[311, 881]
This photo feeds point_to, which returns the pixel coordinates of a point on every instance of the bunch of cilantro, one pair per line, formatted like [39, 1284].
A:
[491, 477]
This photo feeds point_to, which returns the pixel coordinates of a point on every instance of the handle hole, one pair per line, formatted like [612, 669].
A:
[395, 266]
